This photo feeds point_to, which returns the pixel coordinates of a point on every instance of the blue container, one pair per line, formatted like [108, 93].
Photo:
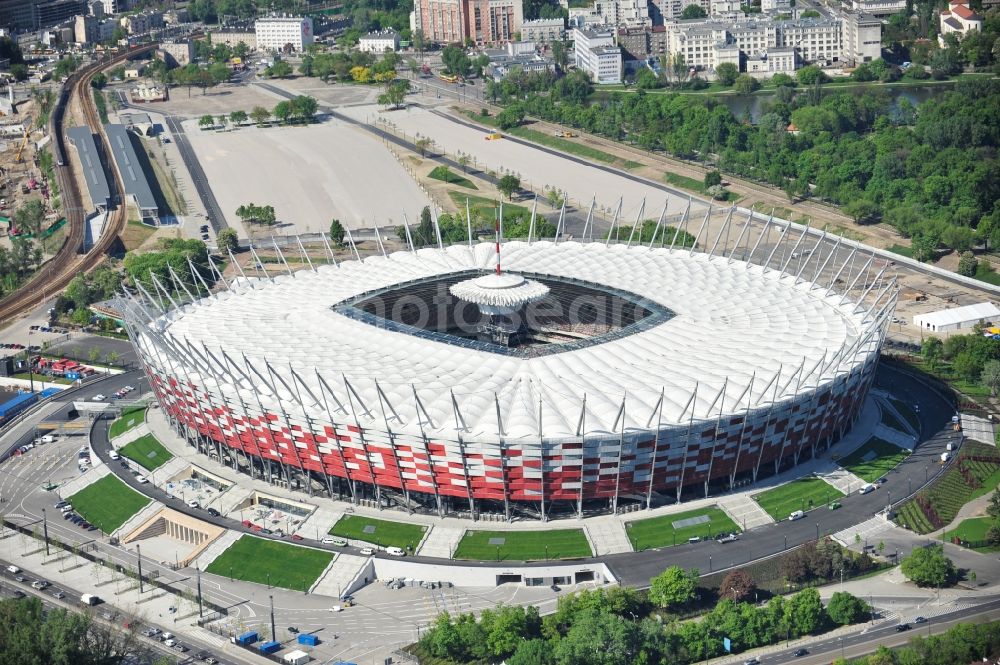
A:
[309, 640]
[269, 647]
[247, 638]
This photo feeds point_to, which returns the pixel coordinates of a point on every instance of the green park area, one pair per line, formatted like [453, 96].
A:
[677, 528]
[974, 531]
[801, 494]
[261, 561]
[444, 174]
[130, 419]
[107, 503]
[484, 208]
[379, 532]
[523, 545]
[147, 452]
[874, 459]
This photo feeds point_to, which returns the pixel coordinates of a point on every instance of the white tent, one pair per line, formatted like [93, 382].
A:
[958, 318]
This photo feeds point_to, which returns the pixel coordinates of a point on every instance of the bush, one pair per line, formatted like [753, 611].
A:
[967, 264]
[845, 609]
[746, 84]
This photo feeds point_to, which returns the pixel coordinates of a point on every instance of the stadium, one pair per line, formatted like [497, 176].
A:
[578, 378]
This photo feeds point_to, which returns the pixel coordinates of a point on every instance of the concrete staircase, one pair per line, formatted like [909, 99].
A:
[137, 520]
[83, 480]
[163, 474]
[841, 478]
[125, 438]
[319, 522]
[745, 512]
[608, 536]
[339, 575]
[868, 530]
[441, 541]
[215, 550]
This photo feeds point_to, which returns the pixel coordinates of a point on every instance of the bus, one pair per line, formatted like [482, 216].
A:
[448, 78]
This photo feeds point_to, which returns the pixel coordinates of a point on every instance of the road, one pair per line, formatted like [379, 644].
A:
[215, 217]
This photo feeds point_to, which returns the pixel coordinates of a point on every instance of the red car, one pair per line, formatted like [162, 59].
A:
[247, 523]
[256, 527]
[296, 536]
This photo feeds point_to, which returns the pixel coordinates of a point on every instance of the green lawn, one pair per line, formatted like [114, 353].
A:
[907, 412]
[902, 250]
[147, 452]
[693, 185]
[40, 377]
[523, 545]
[251, 559]
[801, 494]
[107, 503]
[130, 418]
[487, 208]
[973, 529]
[887, 456]
[445, 174]
[660, 532]
[385, 534]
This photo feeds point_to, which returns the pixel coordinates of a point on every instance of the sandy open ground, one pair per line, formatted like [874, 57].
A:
[542, 169]
[309, 174]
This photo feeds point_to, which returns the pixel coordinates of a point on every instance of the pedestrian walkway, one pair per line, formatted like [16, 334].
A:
[131, 435]
[137, 520]
[746, 513]
[339, 575]
[886, 405]
[83, 480]
[895, 437]
[232, 499]
[608, 537]
[164, 474]
[215, 550]
[868, 531]
[441, 541]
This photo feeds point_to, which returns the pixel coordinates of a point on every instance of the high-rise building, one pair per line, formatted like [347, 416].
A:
[596, 53]
[479, 21]
[21, 15]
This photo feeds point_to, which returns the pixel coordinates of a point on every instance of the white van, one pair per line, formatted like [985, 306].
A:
[395, 551]
[797, 515]
[90, 599]
[48, 438]
[866, 489]
[13, 570]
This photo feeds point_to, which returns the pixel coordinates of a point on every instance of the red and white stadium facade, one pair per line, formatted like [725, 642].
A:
[769, 356]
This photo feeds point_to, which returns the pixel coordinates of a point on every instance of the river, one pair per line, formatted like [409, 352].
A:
[757, 105]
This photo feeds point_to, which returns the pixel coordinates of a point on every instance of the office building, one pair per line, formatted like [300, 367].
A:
[284, 33]
[379, 41]
[596, 53]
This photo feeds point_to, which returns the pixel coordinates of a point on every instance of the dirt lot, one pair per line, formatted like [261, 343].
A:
[222, 99]
[309, 174]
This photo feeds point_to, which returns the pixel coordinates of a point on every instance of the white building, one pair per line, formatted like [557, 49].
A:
[783, 59]
[959, 18]
[543, 30]
[880, 8]
[280, 33]
[671, 10]
[595, 52]
[862, 40]
[234, 36]
[629, 13]
[775, 5]
[818, 39]
[379, 42]
[958, 318]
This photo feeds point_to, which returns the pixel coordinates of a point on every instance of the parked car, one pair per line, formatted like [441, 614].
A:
[336, 542]
[902, 627]
[796, 515]
[367, 551]
[834, 505]
[729, 538]
[99, 397]
[213, 512]
[920, 620]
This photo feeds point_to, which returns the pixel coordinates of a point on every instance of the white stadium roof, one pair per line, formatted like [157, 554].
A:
[733, 322]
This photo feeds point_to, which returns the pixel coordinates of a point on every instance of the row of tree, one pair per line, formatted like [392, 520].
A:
[964, 643]
[876, 157]
[974, 358]
[251, 213]
[621, 626]
[172, 254]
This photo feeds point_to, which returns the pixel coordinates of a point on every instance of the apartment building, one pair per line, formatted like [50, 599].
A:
[455, 21]
[818, 39]
[379, 41]
[862, 41]
[176, 54]
[284, 33]
[880, 8]
[596, 53]
[232, 36]
[543, 30]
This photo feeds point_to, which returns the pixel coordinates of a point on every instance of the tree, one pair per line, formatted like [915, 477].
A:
[512, 116]
[282, 111]
[206, 121]
[94, 354]
[805, 612]
[845, 608]
[727, 73]
[423, 145]
[336, 232]
[990, 376]
[811, 74]
[860, 209]
[455, 60]
[509, 184]
[928, 566]
[304, 108]
[30, 217]
[693, 11]
[395, 94]
[227, 240]
[932, 350]
[673, 587]
[99, 80]
[278, 70]
[463, 161]
[968, 265]
[260, 115]
[713, 178]
[238, 117]
[737, 586]
[745, 84]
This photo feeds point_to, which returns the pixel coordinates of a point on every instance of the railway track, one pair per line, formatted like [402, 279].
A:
[68, 262]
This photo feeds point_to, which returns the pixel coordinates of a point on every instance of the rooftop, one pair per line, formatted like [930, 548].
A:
[985, 311]
[729, 322]
[93, 171]
[130, 167]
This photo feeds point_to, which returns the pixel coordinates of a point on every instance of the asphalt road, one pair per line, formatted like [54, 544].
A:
[216, 219]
